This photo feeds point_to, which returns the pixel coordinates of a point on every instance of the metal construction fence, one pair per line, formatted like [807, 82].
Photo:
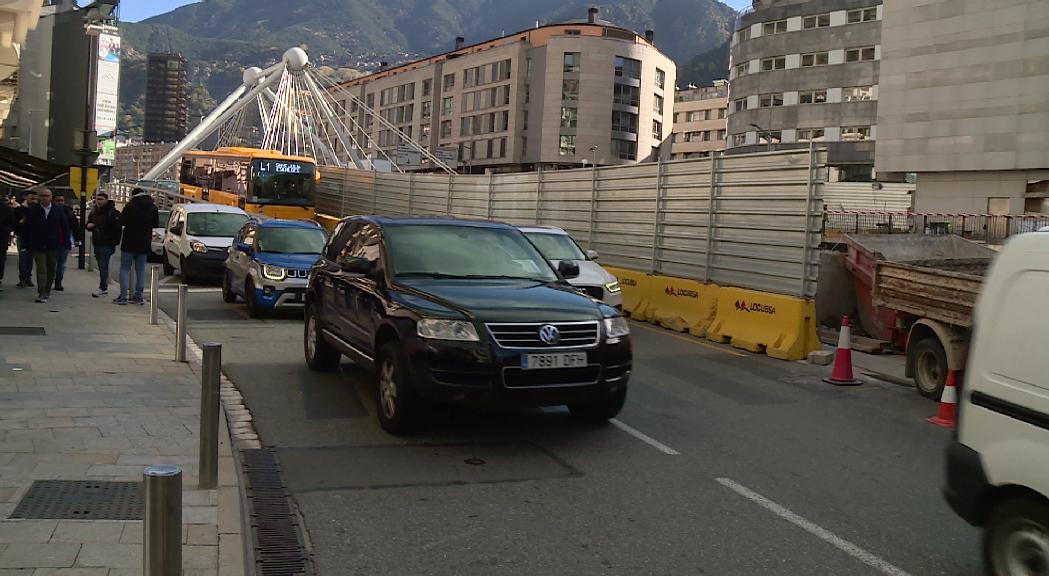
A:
[989, 228]
[752, 220]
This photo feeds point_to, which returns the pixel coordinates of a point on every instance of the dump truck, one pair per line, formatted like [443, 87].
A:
[918, 292]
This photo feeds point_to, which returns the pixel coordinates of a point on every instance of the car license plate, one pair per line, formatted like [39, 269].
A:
[542, 361]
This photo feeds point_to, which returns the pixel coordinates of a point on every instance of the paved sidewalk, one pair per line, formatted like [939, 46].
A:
[97, 397]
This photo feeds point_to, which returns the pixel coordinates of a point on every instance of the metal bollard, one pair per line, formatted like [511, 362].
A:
[180, 324]
[154, 293]
[162, 523]
[209, 415]
[89, 242]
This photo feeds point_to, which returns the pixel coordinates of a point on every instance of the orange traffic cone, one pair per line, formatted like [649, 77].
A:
[947, 416]
[842, 374]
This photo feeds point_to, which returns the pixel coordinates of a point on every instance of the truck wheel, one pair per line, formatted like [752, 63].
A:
[930, 367]
[320, 356]
[600, 410]
[396, 404]
[1016, 539]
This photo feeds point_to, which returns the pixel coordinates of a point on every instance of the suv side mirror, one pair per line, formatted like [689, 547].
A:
[568, 268]
[359, 266]
[591, 254]
[243, 247]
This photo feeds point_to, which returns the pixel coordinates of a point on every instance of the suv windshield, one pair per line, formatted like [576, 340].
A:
[214, 223]
[556, 246]
[290, 240]
[445, 251]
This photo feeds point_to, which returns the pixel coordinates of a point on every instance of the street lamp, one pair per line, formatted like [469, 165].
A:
[768, 135]
[593, 151]
[469, 159]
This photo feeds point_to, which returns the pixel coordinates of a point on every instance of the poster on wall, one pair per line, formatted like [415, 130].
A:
[107, 83]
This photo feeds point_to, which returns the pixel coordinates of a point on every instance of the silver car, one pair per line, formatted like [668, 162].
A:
[555, 245]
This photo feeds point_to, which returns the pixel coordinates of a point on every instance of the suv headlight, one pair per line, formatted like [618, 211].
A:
[274, 272]
[198, 246]
[616, 327]
[613, 287]
[434, 329]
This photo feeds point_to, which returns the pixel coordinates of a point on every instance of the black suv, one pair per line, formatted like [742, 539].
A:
[459, 311]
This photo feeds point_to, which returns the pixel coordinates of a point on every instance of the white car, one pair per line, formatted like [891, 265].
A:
[556, 245]
[156, 242]
[198, 238]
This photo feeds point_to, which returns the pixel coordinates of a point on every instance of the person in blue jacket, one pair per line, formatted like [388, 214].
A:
[47, 231]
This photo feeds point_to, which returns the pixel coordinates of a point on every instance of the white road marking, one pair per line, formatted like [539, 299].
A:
[814, 529]
[645, 438]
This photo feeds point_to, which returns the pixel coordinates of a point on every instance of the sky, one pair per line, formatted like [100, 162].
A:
[136, 10]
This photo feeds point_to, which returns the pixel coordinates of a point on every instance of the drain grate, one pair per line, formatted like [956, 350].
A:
[81, 500]
[22, 331]
[278, 541]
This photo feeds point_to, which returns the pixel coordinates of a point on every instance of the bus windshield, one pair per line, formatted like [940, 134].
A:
[287, 182]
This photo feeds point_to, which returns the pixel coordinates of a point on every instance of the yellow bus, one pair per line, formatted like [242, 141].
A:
[259, 181]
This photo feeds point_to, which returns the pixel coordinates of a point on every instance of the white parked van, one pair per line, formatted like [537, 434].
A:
[998, 466]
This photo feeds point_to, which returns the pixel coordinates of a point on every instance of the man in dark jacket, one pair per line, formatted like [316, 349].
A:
[25, 256]
[7, 226]
[139, 218]
[104, 224]
[76, 237]
[47, 232]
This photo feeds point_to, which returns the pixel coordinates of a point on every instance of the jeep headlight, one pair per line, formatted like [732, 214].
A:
[434, 329]
[274, 272]
[613, 287]
[198, 246]
[616, 327]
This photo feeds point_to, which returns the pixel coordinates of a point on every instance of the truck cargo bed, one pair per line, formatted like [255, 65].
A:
[943, 290]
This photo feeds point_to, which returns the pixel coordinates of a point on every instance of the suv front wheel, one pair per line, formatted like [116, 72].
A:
[601, 409]
[320, 356]
[396, 403]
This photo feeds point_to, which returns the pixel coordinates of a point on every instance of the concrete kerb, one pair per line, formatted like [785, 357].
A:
[239, 438]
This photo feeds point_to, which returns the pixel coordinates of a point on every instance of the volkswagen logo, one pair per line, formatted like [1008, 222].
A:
[550, 335]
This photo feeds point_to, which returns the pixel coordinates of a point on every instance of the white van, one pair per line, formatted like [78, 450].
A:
[198, 238]
[998, 465]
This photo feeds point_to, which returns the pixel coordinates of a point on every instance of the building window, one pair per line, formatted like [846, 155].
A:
[567, 145]
[816, 21]
[770, 137]
[812, 97]
[571, 62]
[661, 79]
[852, 133]
[466, 126]
[446, 128]
[742, 69]
[626, 95]
[810, 135]
[657, 104]
[739, 105]
[777, 27]
[624, 149]
[857, 93]
[500, 71]
[570, 89]
[769, 64]
[427, 87]
[446, 106]
[815, 59]
[864, 15]
[572, 32]
[739, 140]
[528, 93]
[369, 100]
[859, 54]
[569, 117]
[657, 129]
[449, 81]
[528, 68]
[743, 34]
[624, 122]
[628, 68]
[721, 113]
[721, 134]
[770, 100]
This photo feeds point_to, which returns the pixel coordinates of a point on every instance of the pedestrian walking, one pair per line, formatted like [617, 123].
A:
[25, 255]
[104, 224]
[47, 232]
[138, 220]
[76, 238]
[7, 226]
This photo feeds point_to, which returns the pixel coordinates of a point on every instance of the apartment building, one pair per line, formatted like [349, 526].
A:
[167, 102]
[965, 104]
[556, 96]
[134, 160]
[806, 71]
[700, 121]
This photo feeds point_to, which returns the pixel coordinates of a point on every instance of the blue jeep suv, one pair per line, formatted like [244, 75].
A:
[458, 311]
[269, 263]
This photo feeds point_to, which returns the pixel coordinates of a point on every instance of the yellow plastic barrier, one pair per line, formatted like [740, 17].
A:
[682, 305]
[328, 222]
[783, 327]
[637, 291]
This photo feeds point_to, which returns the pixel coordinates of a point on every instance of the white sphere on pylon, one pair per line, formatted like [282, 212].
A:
[296, 59]
[251, 75]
